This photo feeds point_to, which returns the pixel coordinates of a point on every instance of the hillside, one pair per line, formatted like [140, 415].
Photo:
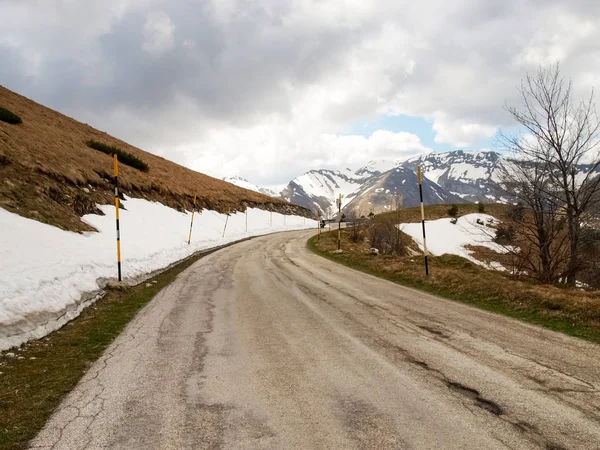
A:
[319, 189]
[372, 188]
[49, 173]
[475, 177]
[383, 190]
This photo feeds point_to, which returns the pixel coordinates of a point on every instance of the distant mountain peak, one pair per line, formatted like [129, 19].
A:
[244, 183]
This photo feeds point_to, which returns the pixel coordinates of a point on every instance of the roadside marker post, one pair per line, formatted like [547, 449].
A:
[319, 227]
[226, 220]
[246, 219]
[192, 222]
[271, 220]
[116, 171]
[423, 220]
[339, 205]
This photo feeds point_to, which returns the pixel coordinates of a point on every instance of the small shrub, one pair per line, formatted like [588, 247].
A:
[385, 237]
[355, 234]
[123, 157]
[9, 116]
[481, 208]
[505, 234]
[480, 222]
[453, 211]
[453, 221]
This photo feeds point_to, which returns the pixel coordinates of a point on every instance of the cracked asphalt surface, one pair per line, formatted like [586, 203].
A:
[266, 345]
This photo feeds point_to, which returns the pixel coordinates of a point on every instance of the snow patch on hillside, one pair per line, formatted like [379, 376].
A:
[446, 237]
[48, 275]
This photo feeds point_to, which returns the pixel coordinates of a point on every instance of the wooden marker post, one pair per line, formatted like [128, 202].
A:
[339, 205]
[246, 219]
[423, 220]
[116, 170]
[226, 220]
[192, 222]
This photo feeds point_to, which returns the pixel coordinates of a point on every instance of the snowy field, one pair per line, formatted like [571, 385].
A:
[48, 275]
[445, 237]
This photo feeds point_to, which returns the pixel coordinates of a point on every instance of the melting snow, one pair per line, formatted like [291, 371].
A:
[445, 237]
[47, 274]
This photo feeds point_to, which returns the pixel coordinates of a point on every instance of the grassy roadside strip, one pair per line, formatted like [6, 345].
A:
[571, 312]
[34, 381]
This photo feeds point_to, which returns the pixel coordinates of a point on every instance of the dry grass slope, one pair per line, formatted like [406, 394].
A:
[48, 173]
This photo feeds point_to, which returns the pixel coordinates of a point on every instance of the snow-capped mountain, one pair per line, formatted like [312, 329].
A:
[475, 177]
[319, 189]
[383, 191]
[376, 167]
[243, 183]
[372, 188]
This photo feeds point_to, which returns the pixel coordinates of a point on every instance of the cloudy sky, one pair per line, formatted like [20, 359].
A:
[268, 89]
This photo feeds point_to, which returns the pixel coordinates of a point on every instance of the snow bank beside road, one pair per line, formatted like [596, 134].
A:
[446, 237]
[48, 275]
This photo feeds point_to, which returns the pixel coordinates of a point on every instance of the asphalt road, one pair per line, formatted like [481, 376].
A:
[266, 345]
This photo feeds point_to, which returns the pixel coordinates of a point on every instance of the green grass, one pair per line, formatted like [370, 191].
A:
[9, 117]
[460, 280]
[32, 387]
[122, 156]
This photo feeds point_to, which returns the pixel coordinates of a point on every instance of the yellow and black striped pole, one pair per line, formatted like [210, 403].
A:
[192, 222]
[116, 169]
[423, 220]
[226, 220]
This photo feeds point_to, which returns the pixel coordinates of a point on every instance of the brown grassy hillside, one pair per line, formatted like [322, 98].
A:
[47, 172]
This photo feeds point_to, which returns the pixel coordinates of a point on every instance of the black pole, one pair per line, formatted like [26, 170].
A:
[423, 222]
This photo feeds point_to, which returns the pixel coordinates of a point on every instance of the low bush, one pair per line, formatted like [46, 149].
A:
[481, 208]
[9, 116]
[505, 234]
[453, 211]
[385, 237]
[123, 157]
[356, 234]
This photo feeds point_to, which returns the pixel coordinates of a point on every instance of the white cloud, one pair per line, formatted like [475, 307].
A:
[460, 133]
[264, 153]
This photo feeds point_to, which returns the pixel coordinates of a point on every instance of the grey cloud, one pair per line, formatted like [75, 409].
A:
[257, 64]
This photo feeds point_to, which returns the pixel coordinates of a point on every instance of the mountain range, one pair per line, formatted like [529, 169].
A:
[451, 177]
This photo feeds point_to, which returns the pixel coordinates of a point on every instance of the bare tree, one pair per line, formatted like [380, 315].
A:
[563, 138]
[534, 230]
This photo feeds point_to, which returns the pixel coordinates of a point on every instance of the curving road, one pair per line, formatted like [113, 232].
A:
[265, 345]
